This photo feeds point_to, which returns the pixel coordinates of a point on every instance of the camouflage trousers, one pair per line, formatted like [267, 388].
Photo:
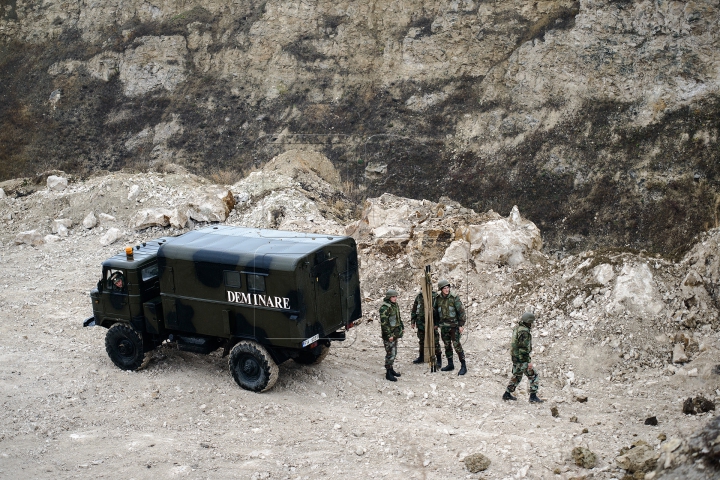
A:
[520, 369]
[451, 339]
[421, 339]
[390, 352]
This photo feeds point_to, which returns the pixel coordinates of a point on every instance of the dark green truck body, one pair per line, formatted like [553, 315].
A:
[212, 287]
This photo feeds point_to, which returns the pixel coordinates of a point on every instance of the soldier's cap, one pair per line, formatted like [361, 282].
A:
[391, 293]
[527, 317]
[443, 283]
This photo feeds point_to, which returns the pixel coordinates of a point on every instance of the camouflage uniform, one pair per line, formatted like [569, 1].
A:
[391, 326]
[520, 350]
[417, 318]
[451, 314]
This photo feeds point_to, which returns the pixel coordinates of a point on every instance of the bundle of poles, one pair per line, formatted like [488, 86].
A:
[427, 290]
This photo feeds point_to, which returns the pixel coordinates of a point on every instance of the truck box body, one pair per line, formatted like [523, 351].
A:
[280, 288]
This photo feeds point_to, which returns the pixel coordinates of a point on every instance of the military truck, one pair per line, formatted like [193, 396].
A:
[263, 296]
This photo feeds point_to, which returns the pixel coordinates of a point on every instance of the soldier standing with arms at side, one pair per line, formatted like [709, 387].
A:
[451, 313]
[417, 318]
[520, 350]
[392, 330]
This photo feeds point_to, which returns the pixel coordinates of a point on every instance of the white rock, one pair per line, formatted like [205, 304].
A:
[635, 292]
[603, 273]
[693, 372]
[62, 230]
[56, 184]
[214, 205]
[504, 241]
[456, 255]
[90, 221]
[179, 217]
[133, 193]
[679, 355]
[2, 193]
[104, 217]
[110, 237]
[151, 217]
[30, 237]
[65, 222]
[51, 239]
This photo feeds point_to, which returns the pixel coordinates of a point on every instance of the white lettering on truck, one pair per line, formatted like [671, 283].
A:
[259, 300]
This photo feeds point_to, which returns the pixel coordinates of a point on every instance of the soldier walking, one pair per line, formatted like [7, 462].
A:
[392, 329]
[417, 319]
[520, 350]
[451, 314]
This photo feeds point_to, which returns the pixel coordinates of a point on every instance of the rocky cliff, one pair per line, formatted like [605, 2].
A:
[599, 119]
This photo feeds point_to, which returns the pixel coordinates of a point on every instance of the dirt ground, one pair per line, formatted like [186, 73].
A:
[68, 412]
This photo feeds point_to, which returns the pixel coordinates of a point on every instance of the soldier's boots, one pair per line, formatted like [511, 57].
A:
[396, 374]
[449, 367]
[390, 376]
[438, 362]
[463, 368]
[507, 396]
[421, 358]
[534, 398]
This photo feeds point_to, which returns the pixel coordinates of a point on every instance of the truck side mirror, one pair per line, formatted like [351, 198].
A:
[100, 285]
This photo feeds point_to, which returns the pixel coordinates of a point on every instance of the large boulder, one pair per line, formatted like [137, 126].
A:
[151, 217]
[635, 292]
[90, 221]
[506, 241]
[213, 205]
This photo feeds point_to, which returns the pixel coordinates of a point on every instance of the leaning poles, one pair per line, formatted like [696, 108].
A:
[429, 345]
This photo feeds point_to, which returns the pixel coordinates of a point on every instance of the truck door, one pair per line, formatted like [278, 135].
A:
[328, 307]
[115, 294]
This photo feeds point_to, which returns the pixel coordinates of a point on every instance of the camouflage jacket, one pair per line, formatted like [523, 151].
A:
[417, 315]
[449, 310]
[521, 345]
[390, 322]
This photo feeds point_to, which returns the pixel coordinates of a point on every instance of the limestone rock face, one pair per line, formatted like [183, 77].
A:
[559, 90]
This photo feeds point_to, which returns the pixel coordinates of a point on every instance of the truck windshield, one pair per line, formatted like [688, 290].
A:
[149, 272]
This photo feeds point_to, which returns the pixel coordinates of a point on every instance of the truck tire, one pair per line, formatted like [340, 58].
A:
[310, 358]
[124, 346]
[252, 367]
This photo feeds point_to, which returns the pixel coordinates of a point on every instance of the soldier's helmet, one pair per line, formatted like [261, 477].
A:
[442, 284]
[527, 318]
[391, 293]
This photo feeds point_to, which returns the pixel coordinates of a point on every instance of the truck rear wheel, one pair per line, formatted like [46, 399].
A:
[252, 367]
[124, 346]
[314, 356]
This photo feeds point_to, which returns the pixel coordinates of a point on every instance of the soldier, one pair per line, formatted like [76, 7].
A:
[392, 330]
[449, 309]
[417, 318]
[520, 350]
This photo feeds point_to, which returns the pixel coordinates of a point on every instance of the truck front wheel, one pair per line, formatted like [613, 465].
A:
[124, 346]
[252, 367]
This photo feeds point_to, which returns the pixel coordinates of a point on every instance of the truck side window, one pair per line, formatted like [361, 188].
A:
[232, 279]
[116, 281]
[256, 283]
[149, 272]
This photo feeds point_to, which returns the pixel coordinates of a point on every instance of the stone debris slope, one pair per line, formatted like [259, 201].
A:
[621, 337]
